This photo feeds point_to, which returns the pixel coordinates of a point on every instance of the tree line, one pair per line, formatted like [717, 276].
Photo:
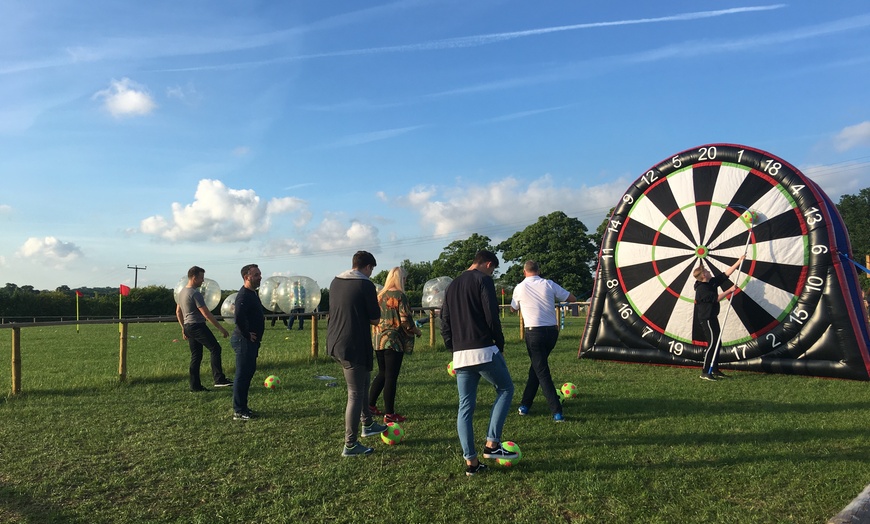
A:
[560, 244]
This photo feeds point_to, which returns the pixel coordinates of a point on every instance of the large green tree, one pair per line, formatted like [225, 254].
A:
[457, 256]
[855, 210]
[561, 247]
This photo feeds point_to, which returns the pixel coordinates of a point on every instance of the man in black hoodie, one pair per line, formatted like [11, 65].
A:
[472, 331]
[353, 310]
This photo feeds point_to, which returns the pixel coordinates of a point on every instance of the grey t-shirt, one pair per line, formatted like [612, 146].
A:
[190, 300]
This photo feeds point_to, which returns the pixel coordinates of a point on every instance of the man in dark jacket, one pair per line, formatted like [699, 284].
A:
[472, 331]
[353, 310]
[246, 339]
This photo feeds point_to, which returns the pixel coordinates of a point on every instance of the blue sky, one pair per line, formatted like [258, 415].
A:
[291, 134]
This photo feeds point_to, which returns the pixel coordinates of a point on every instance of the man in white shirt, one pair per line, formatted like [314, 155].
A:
[536, 298]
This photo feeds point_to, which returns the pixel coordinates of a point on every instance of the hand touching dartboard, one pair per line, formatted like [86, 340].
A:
[692, 210]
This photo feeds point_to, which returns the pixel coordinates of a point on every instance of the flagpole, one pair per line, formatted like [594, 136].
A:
[77, 311]
[120, 301]
[502, 303]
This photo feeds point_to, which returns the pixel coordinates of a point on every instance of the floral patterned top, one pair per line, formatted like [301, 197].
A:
[391, 332]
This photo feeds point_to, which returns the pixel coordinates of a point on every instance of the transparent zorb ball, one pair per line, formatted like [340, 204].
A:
[228, 308]
[298, 293]
[210, 290]
[268, 293]
[433, 291]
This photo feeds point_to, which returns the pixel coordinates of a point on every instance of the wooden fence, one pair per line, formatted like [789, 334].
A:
[574, 309]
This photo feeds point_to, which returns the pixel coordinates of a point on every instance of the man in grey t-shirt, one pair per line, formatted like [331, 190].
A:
[192, 314]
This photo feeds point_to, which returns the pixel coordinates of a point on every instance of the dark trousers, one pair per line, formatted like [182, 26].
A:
[358, 378]
[540, 342]
[711, 333]
[294, 315]
[246, 365]
[389, 365]
[199, 336]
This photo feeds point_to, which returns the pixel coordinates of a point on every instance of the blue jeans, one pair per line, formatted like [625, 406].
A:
[497, 374]
[540, 342]
[246, 365]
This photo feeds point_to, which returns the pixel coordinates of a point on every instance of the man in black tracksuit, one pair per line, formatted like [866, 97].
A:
[707, 298]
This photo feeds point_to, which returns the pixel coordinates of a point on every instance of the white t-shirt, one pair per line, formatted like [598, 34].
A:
[473, 357]
[536, 298]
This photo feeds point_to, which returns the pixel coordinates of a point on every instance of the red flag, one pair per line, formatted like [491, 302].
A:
[502, 291]
[125, 290]
[79, 293]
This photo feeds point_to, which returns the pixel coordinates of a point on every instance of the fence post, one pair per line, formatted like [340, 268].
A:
[431, 328]
[122, 357]
[16, 360]
[315, 340]
[522, 326]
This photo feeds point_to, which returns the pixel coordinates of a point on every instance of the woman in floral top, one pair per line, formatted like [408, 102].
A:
[393, 337]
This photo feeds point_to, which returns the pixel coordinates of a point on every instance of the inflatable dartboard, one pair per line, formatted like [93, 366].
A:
[798, 307]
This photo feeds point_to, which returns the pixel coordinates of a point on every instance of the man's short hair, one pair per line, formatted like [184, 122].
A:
[247, 269]
[697, 272]
[531, 267]
[194, 271]
[362, 259]
[483, 256]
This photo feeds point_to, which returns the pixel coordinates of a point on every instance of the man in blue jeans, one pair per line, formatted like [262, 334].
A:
[536, 298]
[472, 331]
[250, 325]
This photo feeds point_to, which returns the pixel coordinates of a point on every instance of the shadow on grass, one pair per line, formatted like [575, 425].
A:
[656, 407]
[19, 506]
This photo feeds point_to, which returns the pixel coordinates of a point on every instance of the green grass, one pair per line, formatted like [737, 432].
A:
[642, 443]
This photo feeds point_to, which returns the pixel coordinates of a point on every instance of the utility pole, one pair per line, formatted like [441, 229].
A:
[136, 275]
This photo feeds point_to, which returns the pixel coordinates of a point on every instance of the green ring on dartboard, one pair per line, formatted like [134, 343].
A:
[686, 211]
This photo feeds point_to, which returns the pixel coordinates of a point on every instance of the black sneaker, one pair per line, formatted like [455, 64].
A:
[499, 452]
[223, 384]
[244, 415]
[708, 376]
[471, 471]
[718, 374]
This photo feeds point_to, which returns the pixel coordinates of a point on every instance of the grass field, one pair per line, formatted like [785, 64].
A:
[642, 443]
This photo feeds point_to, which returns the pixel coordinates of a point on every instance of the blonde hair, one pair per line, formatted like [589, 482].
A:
[698, 272]
[395, 281]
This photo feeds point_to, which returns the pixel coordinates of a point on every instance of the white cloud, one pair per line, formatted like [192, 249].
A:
[334, 235]
[853, 136]
[126, 98]
[241, 151]
[186, 94]
[507, 202]
[49, 249]
[219, 214]
[287, 246]
[5, 209]
[839, 179]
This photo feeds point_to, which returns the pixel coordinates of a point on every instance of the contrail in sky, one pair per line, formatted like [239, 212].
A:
[481, 40]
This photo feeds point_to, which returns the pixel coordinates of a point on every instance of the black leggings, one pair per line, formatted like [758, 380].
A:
[389, 365]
